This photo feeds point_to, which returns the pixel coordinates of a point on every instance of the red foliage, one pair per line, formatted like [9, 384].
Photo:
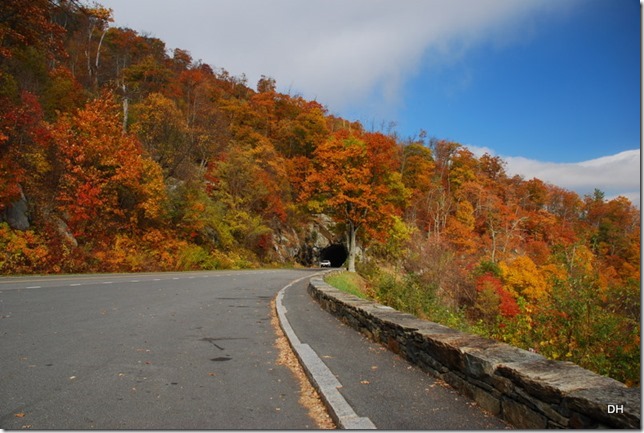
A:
[508, 305]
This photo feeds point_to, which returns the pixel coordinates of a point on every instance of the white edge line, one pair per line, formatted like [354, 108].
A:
[323, 379]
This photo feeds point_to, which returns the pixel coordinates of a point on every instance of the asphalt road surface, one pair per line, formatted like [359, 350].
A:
[145, 351]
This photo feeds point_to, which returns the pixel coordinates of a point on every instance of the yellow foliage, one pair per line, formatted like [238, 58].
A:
[153, 188]
[465, 214]
[21, 251]
[460, 228]
[522, 278]
[553, 272]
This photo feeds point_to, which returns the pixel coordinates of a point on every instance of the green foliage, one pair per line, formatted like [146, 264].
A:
[487, 267]
[410, 294]
[194, 257]
[393, 248]
[575, 325]
[349, 282]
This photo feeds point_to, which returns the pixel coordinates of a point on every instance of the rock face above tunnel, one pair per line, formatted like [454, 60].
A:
[309, 244]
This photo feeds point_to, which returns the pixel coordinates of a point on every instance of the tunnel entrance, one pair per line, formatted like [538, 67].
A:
[335, 253]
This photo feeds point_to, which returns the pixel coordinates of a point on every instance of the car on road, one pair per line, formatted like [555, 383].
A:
[325, 264]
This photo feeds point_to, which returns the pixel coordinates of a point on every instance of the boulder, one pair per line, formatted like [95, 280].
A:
[17, 213]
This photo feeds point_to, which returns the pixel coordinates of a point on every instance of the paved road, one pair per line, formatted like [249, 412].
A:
[145, 351]
[194, 351]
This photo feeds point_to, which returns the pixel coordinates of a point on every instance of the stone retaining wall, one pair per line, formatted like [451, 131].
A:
[521, 387]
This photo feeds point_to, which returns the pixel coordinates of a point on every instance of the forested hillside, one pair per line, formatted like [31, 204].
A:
[118, 155]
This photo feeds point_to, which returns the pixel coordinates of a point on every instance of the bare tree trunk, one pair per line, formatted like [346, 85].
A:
[352, 247]
[98, 50]
[125, 108]
[493, 234]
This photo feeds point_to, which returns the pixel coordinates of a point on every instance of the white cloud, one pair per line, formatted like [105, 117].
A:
[338, 51]
[615, 175]
[479, 151]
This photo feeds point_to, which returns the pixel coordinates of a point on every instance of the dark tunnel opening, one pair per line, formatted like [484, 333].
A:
[335, 253]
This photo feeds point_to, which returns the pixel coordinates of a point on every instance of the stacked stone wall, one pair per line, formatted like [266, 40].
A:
[521, 387]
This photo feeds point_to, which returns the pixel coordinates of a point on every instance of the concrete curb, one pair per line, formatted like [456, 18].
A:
[321, 377]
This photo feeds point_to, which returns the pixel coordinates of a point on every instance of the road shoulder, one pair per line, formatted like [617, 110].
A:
[379, 387]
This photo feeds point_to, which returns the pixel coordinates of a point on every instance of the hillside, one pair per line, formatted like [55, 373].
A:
[116, 155]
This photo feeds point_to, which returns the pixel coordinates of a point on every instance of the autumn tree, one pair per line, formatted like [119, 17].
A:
[163, 130]
[107, 184]
[522, 278]
[149, 75]
[302, 127]
[493, 300]
[28, 23]
[207, 129]
[355, 178]
[460, 228]
[417, 168]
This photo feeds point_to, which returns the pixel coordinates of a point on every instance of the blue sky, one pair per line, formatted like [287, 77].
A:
[568, 93]
[551, 86]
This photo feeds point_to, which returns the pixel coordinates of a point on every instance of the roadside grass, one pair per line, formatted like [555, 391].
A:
[349, 282]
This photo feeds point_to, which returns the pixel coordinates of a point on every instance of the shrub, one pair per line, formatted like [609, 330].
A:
[22, 252]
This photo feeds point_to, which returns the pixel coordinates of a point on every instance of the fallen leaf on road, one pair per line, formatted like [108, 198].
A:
[309, 398]
[212, 374]
[20, 415]
[364, 382]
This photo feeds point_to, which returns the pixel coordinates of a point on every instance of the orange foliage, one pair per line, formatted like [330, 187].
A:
[103, 186]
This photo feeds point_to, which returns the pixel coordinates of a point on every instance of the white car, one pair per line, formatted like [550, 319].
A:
[325, 264]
